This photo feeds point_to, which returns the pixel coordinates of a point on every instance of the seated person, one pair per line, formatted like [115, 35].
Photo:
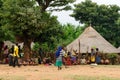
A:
[83, 61]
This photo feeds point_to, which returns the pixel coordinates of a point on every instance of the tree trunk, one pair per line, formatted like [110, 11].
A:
[1, 46]
[27, 45]
[44, 5]
[27, 49]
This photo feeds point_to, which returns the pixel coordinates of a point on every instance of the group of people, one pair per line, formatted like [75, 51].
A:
[95, 56]
[63, 57]
[11, 56]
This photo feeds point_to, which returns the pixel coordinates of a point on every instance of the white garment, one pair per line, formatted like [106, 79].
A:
[62, 52]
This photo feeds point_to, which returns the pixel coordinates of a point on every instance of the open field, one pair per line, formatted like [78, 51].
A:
[77, 72]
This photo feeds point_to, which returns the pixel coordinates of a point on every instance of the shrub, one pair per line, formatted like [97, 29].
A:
[112, 57]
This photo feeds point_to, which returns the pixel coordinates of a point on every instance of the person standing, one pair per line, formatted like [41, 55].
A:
[5, 54]
[92, 56]
[98, 58]
[10, 56]
[16, 55]
[58, 55]
[41, 54]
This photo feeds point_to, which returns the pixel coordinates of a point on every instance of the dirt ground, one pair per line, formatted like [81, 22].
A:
[43, 72]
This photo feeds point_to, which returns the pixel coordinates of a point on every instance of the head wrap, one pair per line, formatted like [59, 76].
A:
[58, 51]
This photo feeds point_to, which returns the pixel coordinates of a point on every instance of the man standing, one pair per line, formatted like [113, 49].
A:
[16, 56]
[11, 56]
[41, 55]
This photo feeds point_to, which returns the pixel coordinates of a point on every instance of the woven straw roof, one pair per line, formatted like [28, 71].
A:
[9, 44]
[119, 48]
[90, 38]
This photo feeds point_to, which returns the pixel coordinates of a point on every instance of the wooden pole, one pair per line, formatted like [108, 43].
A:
[79, 49]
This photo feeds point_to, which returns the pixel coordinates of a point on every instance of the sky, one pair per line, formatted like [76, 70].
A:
[64, 18]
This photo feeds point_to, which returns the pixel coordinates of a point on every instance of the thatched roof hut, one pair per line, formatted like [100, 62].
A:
[118, 48]
[90, 38]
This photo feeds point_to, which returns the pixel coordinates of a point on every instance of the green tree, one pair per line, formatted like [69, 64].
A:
[117, 39]
[29, 24]
[50, 35]
[70, 32]
[5, 34]
[86, 12]
[35, 49]
[24, 19]
[55, 5]
[1, 3]
[102, 17]
[61, 35]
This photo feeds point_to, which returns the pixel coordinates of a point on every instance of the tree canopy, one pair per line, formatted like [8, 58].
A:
[5, 34]
[27, 22]
[102, 17]
[55, 5]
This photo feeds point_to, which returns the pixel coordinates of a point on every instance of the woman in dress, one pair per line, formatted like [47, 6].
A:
[58, 55]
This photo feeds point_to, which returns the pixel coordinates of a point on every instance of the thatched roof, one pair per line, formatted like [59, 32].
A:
[90, 38]
[119, 48]
[9, 44]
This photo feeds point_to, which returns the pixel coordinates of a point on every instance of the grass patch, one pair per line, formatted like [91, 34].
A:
[94, 78]
[13, 77]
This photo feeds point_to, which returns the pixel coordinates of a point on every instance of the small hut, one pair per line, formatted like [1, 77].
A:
[90, 38]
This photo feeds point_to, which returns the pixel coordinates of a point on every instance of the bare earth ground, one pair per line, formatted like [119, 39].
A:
[42, 72]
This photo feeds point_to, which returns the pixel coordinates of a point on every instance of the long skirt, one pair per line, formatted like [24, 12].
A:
[58, 63]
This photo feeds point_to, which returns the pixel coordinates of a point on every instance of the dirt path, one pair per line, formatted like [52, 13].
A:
[42, 72]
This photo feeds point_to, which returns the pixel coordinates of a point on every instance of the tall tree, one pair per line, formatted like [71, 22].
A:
[5, 34]
[86, 12]
[28, 23]
[48, 37]
[55, 4]
[54, 29]
[70, 32]
[102, 17]
[24, 19]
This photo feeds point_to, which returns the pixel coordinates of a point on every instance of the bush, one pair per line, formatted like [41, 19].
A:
[35, 49]
[113, 55]
[113, 58]
[36, 46]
